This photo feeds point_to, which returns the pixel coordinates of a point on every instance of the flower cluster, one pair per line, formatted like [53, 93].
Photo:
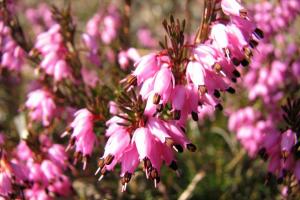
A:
[210, 68]
[126, 57]
[145, 139]
[12, 55]
[276, 53]
[170, 81]
[274, 69]
[250, 129]
[83, 137]
[36, 176]
[275, 17]
[40, 18]
[102, 28]
[41, 106]
[51, 46]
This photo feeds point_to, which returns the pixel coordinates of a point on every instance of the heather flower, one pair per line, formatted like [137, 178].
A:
[40, 18]
[102, 28]
[50, 45]
[83, 137]
[210, 69]
[126, 57]
[5, 184]
[41, 172]
[41, 106]
[143, 138]
[12, 55]
[89, 77]
[151, 144]
[145, 38]
[233, 7]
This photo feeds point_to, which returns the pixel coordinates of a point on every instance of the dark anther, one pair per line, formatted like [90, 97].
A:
[156, 99]
[178, 148]
[217, 94]
[253, 43]
[235, 61]
[236, 73]
[195, 116]
[147, 163]
[177, 114]
[233, 79]
[263, 154]
[230, 90]
[183, 129]
[245, 62]
[173, 165]
[259, 34]
[191, 147]
[219, 107]
[108, 160]
[126, 178]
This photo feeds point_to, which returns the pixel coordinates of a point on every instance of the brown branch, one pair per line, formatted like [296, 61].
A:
[126, 24]
[191, 187]
[203, 30]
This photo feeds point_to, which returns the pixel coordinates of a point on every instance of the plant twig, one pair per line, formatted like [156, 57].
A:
[203, 30]
[191, 187]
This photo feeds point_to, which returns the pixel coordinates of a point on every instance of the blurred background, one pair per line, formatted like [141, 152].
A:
[219, 169]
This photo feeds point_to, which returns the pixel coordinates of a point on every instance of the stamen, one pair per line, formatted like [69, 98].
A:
[202, 89]
[195, 116]
[236, 73]
[263, 154]
[217, 67]
[245, 62]
[100, 163]
[259, 34]
[156, 98]
[98, 170]
[191, 147]
[173, 165]
[84, 161]
[177, 114]
[217, 94]
[101, 177]
[219, 107]
[131, 80]
[230, 90]
[235, 61]
[253, 43]
[108, 160]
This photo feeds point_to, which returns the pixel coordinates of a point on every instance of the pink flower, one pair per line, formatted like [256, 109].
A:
[151, 144]
[51, 45]
[40, 17]
[12, 55]
[5, 184]
[288, 140]
[41, 106]
[90, 77]
[233, 7]
[83, 137]
[126, 57]
[146, 67]
[145, 38]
